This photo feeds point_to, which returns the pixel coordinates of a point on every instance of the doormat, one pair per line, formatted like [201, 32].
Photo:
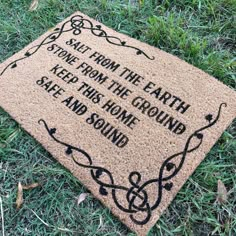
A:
[130, 121]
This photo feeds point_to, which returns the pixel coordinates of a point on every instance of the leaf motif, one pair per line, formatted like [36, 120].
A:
[123, 43]
[69, 151]
[138, 52]
[209, 117]
[98, 173]
[52, 131]
[27, 54]
[34, 5]
[81, 198]
[14, 65]
[103, 191]
[221, 192]
[168, 186]
[199, 135]
[99, 26]
[53, 37]
[170, 166]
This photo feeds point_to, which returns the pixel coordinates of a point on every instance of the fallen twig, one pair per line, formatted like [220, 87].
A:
[48, 225]
[2, 216]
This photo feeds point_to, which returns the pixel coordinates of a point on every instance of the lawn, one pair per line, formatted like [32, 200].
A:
[203, 33]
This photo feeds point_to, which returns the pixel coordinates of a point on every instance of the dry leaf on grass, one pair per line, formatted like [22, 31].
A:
[34, 5]
[20, 199]
[2, 145]
[81, 198]
[30, 186]
[221, 192]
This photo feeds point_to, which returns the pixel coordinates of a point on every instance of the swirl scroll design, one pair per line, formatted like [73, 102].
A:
[136, 195]
[75, 24]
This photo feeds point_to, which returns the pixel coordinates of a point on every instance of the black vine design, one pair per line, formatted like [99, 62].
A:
[136, 194]
[76, 24]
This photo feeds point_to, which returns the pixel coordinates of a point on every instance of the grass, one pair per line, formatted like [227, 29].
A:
[202, 32]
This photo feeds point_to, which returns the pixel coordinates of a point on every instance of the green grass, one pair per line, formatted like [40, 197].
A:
[202, 32]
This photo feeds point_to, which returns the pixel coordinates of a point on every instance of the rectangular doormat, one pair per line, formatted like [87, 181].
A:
[130, 121]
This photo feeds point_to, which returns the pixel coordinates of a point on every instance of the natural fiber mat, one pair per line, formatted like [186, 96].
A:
[130, 121]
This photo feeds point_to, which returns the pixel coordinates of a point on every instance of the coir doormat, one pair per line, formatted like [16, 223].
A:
[130, 121]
